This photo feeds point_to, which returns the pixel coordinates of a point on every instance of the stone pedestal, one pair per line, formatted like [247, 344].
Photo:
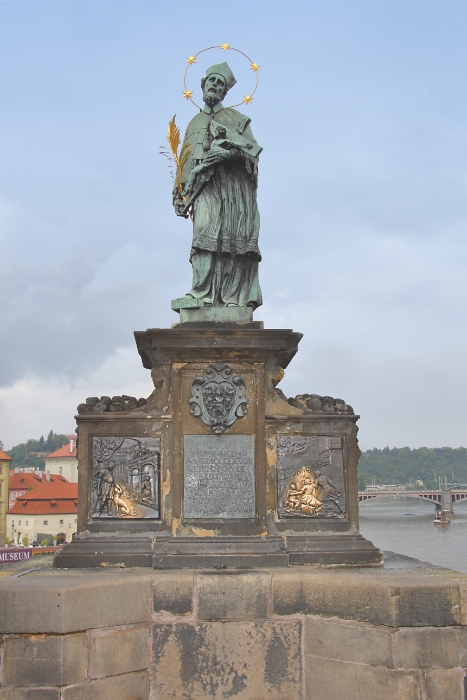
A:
[217, 468]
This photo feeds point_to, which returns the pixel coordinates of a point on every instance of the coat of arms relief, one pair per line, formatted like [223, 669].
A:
[218, 398]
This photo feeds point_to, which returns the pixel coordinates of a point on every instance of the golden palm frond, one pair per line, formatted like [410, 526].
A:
[179, 160]
[173, 136]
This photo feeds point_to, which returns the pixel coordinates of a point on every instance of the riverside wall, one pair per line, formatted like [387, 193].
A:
[281, 634]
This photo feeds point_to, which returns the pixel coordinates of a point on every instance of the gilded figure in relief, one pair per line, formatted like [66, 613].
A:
[303, 494]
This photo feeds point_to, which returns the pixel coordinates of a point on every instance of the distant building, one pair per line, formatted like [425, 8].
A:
[21, 482]
[4, 473]
[48, 509]
[64, 461]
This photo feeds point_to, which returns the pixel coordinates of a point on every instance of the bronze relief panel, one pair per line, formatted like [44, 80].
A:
[310, 477]
[125, 477]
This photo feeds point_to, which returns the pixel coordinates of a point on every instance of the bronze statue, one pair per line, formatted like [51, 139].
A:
[217, 187]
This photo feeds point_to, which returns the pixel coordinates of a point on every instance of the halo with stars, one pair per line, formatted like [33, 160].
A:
[187, 94]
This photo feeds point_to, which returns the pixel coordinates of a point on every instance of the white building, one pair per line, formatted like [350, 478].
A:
[48, 509]
[64, 461]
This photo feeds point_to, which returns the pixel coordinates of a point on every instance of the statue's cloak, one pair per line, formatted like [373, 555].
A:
[224, 252]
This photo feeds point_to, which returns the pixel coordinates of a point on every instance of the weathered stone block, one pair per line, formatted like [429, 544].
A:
[119, 651]
[233, 595]
[442, 684]
[83, 691]
[173, 592]
[337, 595]
[327, 679]
[71, 603]
[34, 660]
[463, 603]
[405, 599]
[361, 643]
[430, 647]
[130, 686]
[245, 660]
[419, 603]
[29, 694]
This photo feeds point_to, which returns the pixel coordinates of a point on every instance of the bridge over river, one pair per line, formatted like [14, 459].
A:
[442, 499]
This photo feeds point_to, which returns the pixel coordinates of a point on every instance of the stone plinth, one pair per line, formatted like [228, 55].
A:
[286, 634]
[217, 469]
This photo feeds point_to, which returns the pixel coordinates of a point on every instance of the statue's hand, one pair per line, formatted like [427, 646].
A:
[179, 207]
[188, 189]
[215, 156]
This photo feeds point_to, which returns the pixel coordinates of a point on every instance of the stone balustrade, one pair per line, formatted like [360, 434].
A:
[282, 634]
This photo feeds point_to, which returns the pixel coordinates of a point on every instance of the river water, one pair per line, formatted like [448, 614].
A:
[405, 525]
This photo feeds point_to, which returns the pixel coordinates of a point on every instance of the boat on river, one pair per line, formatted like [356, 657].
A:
[442, 517]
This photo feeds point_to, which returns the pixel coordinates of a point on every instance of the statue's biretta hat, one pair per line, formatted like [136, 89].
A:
[224, 71]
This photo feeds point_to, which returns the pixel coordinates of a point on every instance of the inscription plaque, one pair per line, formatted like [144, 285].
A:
[310, 476]
[219, 476]
[125, 477]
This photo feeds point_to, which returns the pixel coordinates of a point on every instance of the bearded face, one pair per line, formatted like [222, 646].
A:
[214, 89]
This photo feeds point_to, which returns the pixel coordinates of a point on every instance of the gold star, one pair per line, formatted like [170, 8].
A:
[255, 67]
[190, 60]
[247, 99]
[187, 94]
[225, 46]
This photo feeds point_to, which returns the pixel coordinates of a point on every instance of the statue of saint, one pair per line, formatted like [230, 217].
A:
[220, 181]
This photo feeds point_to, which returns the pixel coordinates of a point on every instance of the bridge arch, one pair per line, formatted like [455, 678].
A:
[423, 495]
[434, 497]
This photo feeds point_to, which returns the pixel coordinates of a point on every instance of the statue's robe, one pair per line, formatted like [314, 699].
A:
[224, 253]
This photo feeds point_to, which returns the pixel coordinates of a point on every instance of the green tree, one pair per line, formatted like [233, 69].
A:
[18, 452]
[431, 484]
[363, 479]
[404, 464]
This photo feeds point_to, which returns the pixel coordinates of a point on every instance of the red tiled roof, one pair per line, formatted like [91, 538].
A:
[42, 508]
[63, 452]
[50, 490]
[19, 481]
[23, 480]
[3, 455]
[48, 498]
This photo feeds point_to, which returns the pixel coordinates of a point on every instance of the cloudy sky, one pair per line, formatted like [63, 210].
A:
[362, 114]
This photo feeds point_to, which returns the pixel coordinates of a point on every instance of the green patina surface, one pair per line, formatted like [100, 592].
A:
[220, 182]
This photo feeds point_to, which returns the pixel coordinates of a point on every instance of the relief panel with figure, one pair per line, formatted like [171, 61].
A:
[125, 477]
[310, 475]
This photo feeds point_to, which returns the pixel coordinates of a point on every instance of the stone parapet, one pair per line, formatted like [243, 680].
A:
[398, 632]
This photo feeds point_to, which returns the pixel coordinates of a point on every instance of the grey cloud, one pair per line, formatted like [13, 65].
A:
[56, 320]
[362, 198]
[403, 401]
